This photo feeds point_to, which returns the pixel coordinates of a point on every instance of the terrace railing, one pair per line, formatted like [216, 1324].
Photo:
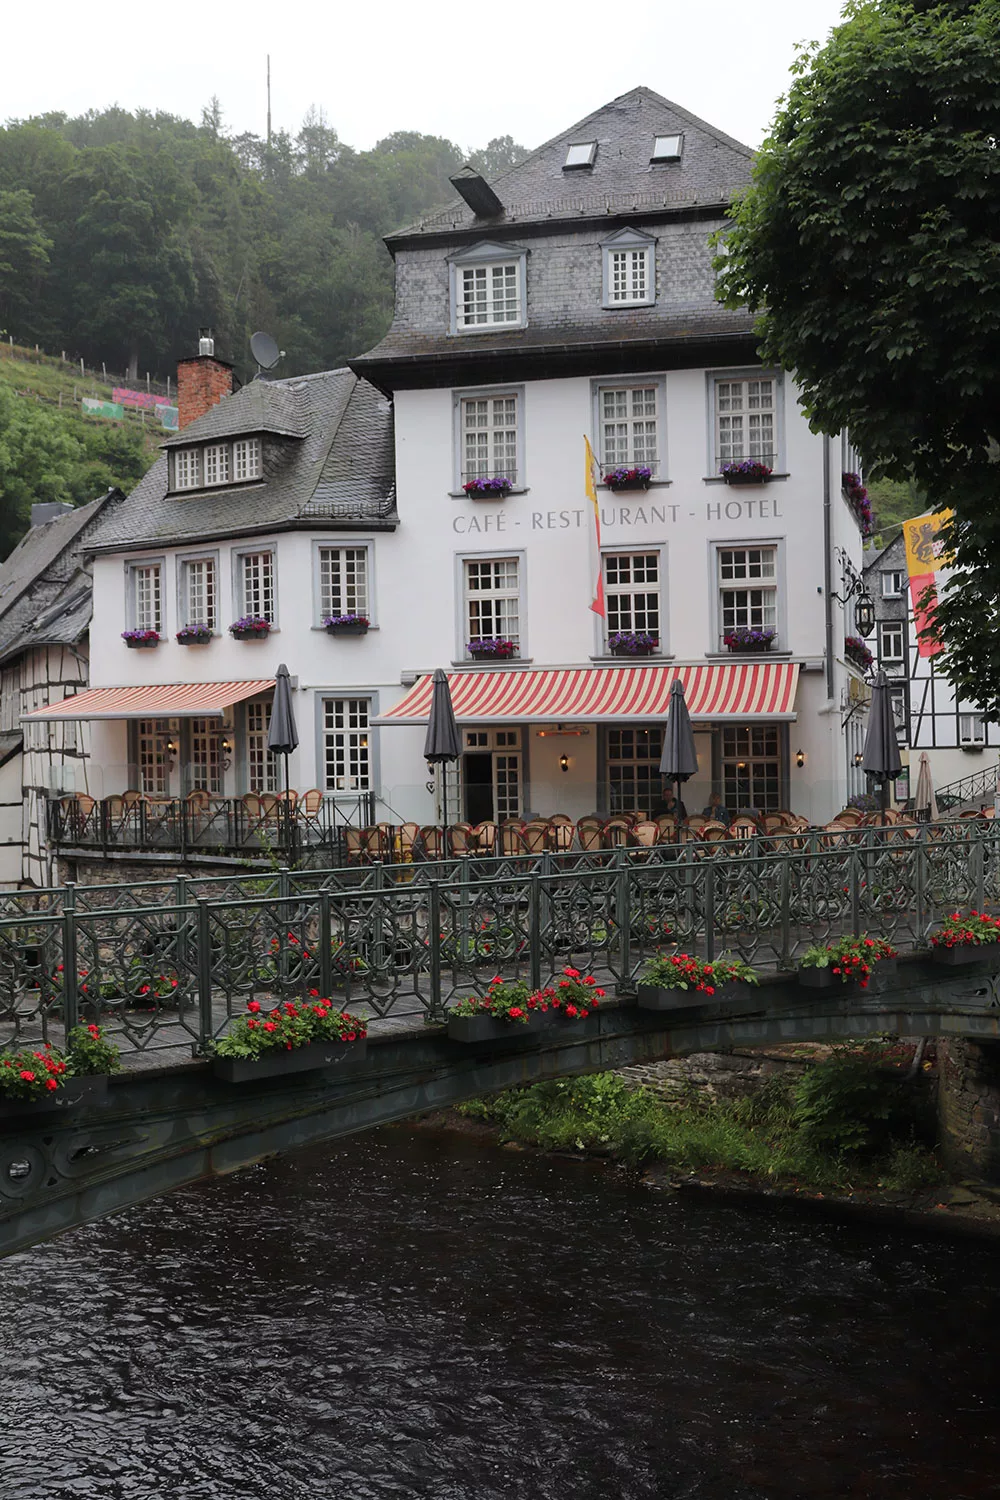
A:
[168, 965]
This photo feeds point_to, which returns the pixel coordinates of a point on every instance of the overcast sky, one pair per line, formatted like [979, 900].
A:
[525, 68]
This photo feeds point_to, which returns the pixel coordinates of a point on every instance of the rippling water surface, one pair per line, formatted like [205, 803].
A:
[417, 1315]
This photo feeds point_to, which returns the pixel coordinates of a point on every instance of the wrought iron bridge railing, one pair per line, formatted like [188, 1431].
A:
[166, 965]
[979, 787]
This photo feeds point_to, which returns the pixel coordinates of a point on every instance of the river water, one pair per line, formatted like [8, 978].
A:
[415, 1314]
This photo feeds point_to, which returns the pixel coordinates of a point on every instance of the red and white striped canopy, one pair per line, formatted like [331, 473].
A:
[164, 700]
[743, 690]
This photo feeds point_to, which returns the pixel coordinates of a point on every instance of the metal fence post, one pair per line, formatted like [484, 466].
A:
[786, 911]
[204, 955]
[623, 914]
[71, 998]
[434, 937]
[920, 885]
[979, 871]
[709, 911]
[855, 891]
[325, 945]
[535, 929]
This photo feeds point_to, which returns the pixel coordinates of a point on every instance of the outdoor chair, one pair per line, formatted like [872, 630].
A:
[458, 838]
[714, 833]
[352, 845]
[588, 832]
[536, 836]
[512, 837]
[743, 827]
[645, 834]
[484, 838]
[431, 842]
[614, 834]
[563, 818]
[561, 835]
[407, 836]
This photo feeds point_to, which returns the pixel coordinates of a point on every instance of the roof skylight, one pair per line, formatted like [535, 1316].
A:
[667, 147]
[580, 154]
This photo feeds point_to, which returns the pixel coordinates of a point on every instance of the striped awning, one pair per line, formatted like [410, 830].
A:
[164, 700]
[744, 690]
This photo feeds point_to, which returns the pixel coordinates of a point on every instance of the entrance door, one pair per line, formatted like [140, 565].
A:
[478, 780]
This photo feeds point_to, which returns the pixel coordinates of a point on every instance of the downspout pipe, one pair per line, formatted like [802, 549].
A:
[828, 565]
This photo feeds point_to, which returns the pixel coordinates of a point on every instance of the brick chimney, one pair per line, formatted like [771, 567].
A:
[202, 381]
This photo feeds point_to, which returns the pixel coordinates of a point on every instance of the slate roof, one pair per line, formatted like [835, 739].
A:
[261, 406]
[340, 470]
[713, 167]
[45, 585]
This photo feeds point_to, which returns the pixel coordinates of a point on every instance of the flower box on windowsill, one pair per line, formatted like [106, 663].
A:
[633, 650]
[628, 479]
[659, 997]
[250, 629]
[747, 472]
[140, 640]
[632, 643]
[87, 1088]
[312, 1056]
[494, 648]
[346, 625]
[488, 489]
[193, 635]
[754, 642]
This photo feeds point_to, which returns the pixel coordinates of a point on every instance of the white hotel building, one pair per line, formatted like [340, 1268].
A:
[571, 297]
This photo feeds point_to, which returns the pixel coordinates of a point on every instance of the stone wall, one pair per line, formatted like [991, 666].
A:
[969, 1106]
[717, 1075]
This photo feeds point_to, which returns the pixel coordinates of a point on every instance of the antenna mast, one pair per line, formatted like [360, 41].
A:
[269, 101]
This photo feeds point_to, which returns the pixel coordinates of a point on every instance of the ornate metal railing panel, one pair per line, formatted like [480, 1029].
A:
[168, 964]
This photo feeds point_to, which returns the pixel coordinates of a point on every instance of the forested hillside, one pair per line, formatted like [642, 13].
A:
[121, 233]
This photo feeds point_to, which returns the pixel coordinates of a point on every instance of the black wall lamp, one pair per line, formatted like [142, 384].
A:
[800, 758]
[564, 762]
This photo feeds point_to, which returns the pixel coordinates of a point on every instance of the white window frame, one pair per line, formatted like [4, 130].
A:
[579, 155]
[891, 590]
[745, 377]
[204, 740]
[891, 628]
[341, 546]
[239, 580]
[717, 585]
[246, 454]
[184, 562]
[135, 568]
[505, 749]
[186, 468]
[505, 467]
[657, 550]
[357, 749]
[632, 244]
[971, 729]
[900, 711]
[633, 459]
[663, 151]
[467, 596]
[653, 782]
[216, 464]
[488, 257]
[261, 768]
[749, 759]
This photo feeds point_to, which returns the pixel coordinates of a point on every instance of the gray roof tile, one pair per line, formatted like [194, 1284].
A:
[712, 168]
[339, 470]
[262, 406]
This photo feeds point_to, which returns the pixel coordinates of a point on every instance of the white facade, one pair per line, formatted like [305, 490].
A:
[417, 601]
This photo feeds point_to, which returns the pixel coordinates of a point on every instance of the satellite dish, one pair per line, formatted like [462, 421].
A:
[264, 350]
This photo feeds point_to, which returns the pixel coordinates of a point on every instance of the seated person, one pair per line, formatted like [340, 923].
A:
[716, 811]
[670, 807]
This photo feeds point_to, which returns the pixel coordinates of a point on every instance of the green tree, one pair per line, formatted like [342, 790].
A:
[869, 245]
[24, 259]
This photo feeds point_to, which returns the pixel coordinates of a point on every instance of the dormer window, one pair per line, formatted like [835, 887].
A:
[216, 464]
[667, 147]
[488, 288]
[580, 154]
[629, 269]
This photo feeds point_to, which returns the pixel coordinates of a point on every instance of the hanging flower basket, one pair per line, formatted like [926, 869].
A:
[970, 939]
[857, 498]
[346, 624]
[250, 628]
[491, 648]
[295, 1037]
[40, 1080]
[510, 1011]
[748, 471]
[857, 653]
[140, 640]
[851, 960]
[194, 635]
[628, 479]
[497, 488]
[746, 639]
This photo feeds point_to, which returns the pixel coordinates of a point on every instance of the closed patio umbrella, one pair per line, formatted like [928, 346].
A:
[880, 757]
[924, 800]
[679, 760]
[442, 743]
[282, 736]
